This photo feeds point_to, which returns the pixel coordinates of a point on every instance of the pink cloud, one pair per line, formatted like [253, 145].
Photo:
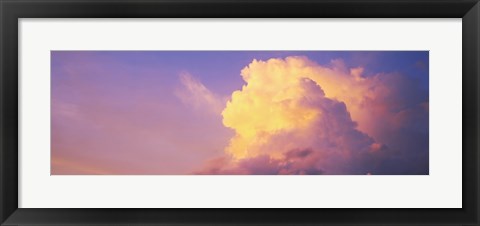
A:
[195, 94]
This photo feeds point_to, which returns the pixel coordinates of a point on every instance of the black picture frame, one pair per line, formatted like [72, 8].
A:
[12, 10]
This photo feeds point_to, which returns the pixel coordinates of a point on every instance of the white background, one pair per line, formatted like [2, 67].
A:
[441, 189]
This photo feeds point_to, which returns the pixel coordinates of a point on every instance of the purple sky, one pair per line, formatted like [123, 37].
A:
[143, 112]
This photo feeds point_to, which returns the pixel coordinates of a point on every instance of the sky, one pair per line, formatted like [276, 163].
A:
[239, 112]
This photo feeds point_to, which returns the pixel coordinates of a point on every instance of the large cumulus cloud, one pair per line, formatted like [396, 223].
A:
[294, 116]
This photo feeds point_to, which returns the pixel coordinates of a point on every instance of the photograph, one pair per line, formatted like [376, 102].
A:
[239, 112]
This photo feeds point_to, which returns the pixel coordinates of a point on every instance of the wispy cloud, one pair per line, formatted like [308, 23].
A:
[193, 93]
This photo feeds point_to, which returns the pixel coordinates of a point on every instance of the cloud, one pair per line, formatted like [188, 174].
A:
[193, 93]
[298, 162]
[294, 116]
